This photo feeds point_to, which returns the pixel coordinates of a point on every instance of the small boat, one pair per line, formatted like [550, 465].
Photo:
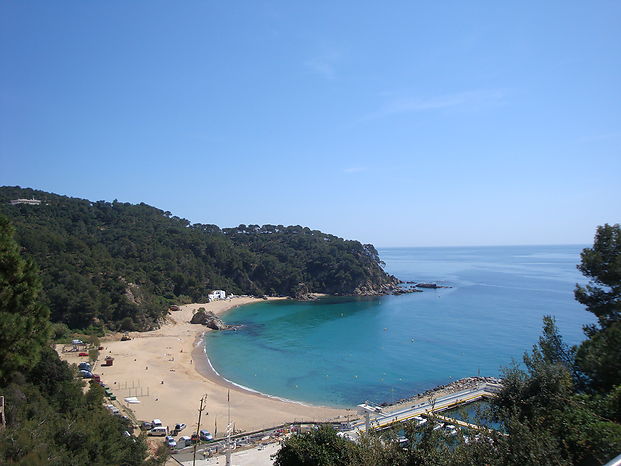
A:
[450, 429]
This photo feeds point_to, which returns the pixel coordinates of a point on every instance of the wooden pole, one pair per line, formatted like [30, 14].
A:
[228, 431]
[198, 429]
[2, 418]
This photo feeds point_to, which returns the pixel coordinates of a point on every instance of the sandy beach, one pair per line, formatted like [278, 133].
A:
[167, 370]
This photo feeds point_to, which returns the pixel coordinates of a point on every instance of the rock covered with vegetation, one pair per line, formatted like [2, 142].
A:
[121, 265]
[208, 319]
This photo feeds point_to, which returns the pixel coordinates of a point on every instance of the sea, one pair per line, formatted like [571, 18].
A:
[342, 351]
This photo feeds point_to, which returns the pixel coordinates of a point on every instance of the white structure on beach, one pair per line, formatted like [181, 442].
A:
[32, 201]
[217, 295]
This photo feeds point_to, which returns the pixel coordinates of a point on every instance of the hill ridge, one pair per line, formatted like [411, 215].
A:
[121, 265]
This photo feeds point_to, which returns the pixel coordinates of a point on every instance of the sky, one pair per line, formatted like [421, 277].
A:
[402, 123]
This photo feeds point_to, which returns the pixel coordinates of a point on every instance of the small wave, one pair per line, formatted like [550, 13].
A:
[200, 341]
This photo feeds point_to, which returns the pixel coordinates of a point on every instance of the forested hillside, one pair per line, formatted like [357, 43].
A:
[50, 418]
[121, 265]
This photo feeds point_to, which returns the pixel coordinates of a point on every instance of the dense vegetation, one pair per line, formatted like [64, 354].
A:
[562, 407]
[50, 419]
[120, 265]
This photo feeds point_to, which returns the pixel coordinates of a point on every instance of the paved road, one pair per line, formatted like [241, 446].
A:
[257, 456]
[378, 420]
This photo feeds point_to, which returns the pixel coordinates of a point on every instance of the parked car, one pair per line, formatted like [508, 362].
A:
[205, 436]
[184, 441]
[146, 425]
[113, 409]
[84, 366]
[179, 427]
[83, 354]
[170, 441]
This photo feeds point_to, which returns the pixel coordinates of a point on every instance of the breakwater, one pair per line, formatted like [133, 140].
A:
[467, 383]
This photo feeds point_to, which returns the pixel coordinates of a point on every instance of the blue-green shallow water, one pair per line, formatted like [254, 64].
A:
[474, 413]
[342, 351]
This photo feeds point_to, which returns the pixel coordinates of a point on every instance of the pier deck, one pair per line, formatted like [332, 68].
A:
[382, 420]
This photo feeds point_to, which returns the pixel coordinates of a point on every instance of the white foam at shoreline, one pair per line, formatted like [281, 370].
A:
[279, 398]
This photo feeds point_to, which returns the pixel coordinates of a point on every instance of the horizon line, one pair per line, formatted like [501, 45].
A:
[484, 245]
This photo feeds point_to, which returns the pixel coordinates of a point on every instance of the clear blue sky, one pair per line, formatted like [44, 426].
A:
[402, 123]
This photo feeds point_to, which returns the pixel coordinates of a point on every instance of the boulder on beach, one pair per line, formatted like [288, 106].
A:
[208, 319]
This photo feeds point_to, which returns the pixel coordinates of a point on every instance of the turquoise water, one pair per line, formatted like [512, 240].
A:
[474, 413]
[343, 351]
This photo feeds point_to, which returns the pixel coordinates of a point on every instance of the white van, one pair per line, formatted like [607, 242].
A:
[158, 431]
[184, 441]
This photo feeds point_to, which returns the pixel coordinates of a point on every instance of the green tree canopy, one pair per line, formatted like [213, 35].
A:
[23, 319]
[602, 265]
[121, 265]
[50, 420]
[599, 357]
[319, 447]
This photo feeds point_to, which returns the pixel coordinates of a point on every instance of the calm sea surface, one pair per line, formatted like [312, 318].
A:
[343, 351]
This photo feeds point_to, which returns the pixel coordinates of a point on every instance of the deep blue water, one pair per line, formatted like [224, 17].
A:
[343, 351]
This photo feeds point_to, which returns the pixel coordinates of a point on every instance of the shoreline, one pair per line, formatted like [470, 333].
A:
[204, 367]
[168, 371]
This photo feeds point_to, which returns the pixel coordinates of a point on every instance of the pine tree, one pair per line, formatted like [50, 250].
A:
[599, 357]
[24, 323]
[601, 264]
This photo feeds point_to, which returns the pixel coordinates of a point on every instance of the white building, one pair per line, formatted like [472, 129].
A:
[217, 295]
[32, 201]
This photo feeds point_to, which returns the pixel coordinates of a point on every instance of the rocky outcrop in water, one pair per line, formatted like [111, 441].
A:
[394, 286]
[302, 293]
[405, 290]
[370, 288]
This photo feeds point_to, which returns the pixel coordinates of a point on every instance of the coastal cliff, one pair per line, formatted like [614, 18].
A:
[370, 288]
